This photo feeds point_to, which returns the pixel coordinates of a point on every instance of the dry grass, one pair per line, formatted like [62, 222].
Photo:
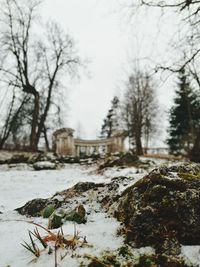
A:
[51, 242]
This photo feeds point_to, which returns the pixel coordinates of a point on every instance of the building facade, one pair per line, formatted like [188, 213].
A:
[65, 144]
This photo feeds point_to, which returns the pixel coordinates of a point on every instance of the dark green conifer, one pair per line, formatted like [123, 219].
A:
[111, 122]
[184, 117]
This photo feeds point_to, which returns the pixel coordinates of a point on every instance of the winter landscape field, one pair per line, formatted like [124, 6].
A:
[99, 133]
[20, 183]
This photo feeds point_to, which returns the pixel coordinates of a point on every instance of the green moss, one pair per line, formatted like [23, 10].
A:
[157, 179]
[160, 260]
[155, 193]
[107, 260]
[189, 176]
[118, 258]
[125, 251]
[121, 214]
[97, 263]
[166, 202]
[142, 183]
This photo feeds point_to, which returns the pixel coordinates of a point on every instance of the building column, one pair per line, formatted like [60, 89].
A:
[89, 151]
[86, 150]
[77, 151]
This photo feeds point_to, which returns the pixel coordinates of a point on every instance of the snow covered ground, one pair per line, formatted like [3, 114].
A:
[99, 231]
[19, 186]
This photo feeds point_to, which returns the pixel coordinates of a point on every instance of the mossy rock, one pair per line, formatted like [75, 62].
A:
[48, 211]
[163, 205]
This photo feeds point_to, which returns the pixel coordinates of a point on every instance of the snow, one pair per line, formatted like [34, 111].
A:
[191, 254]
[18, 187]
[16, 167]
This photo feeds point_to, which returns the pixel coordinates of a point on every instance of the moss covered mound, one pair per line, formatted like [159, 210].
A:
[163, 208]
[33, 207]
[37, 207]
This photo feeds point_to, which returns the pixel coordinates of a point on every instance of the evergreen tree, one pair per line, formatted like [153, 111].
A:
[111, 122]
[184, 117]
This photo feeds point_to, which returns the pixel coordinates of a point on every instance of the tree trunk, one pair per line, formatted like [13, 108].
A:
[34, 126]
[43, 118]
[139, 150]
[138, 143]
[46, 139]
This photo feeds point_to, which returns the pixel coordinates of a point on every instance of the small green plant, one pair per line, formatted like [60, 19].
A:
[33, 248]
[38, 236]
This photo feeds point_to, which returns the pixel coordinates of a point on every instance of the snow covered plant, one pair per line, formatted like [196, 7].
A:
[52, 242]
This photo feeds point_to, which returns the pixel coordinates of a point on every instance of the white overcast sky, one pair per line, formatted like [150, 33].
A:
[110, 39]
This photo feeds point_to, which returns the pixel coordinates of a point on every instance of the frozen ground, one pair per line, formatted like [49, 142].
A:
[99, 231]
[19, 186]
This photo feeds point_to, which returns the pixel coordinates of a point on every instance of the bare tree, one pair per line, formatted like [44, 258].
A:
[187, 14]
[140, 108]
[34, 64]
[11, 124]
[181, 5]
